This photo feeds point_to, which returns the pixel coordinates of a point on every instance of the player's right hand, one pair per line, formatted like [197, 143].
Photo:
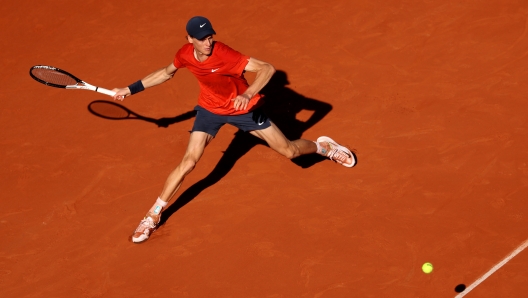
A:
[121, 93]
[241, 102]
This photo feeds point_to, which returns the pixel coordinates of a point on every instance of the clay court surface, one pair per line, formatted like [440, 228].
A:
[432, 95]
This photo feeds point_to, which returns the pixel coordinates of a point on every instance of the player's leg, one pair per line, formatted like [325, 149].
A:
[278, 142]
[206, 125]
[324, 146]
[260, 126]
[197, 143]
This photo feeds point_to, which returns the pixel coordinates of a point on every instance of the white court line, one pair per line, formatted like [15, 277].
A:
[492, 270]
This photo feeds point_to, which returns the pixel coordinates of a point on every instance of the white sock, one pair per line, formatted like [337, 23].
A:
[158, 206]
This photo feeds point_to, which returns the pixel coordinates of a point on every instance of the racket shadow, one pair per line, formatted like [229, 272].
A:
[113, 111]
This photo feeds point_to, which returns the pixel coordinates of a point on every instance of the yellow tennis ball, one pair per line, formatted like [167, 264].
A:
[427, 268]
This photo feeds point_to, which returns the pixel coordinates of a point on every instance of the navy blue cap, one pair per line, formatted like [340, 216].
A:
[199, 27]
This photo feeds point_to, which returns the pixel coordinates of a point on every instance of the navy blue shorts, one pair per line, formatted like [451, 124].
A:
[210, 123]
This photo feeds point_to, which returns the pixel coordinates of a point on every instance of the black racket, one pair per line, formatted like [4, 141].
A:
[55, 77]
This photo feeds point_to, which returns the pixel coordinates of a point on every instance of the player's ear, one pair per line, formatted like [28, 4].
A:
[189, 39]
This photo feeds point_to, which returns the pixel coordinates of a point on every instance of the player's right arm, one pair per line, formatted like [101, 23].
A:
[157, 77]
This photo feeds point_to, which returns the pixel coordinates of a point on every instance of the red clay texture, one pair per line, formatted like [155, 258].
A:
[431, 95]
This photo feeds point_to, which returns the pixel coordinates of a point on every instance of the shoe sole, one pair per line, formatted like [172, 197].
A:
[137, 242]
[345, 149]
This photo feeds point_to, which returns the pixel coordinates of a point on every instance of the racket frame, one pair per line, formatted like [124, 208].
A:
[80, 85]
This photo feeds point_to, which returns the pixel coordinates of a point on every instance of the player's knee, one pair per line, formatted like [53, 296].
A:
[187, 165]
[291, 151]
[289, 154]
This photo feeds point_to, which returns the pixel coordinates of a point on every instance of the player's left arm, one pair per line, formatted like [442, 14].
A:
[264, 72]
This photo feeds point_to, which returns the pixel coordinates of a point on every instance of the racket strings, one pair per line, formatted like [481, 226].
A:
[53, 77]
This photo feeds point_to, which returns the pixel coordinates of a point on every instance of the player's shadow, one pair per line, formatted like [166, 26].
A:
[113, 111]
[282, 106]
[293, 113]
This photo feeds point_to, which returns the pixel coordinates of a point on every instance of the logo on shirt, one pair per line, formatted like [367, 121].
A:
[201, 26]
[214, 69]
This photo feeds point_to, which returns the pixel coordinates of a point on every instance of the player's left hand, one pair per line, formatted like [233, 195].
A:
[241, 102]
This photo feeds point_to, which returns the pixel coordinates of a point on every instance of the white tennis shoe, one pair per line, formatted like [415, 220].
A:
[337, 153]
[148, 225]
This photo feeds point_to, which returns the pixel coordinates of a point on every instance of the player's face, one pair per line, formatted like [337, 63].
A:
[203, 46]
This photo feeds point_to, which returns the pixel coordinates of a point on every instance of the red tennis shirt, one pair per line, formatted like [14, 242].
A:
[221, 78]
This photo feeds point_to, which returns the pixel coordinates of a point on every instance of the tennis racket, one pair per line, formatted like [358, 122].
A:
[58, 78]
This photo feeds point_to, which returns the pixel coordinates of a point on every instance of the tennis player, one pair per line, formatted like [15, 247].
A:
[225, 97]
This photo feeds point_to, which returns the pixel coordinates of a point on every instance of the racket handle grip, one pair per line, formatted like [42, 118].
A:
[105, 91]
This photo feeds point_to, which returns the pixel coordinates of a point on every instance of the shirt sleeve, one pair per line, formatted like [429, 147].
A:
[178, 61]
[235, 61]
